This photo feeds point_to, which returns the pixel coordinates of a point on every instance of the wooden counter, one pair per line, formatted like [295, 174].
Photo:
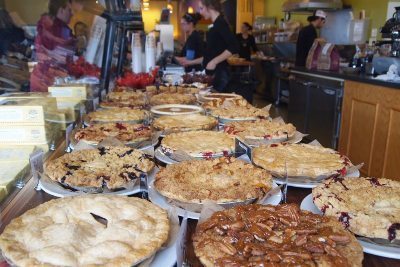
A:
[370, 128]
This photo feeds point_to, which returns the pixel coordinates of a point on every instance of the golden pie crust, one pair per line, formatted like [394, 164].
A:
[261, 130]
[110, 167]
[301, 160]
[218, 180]
[172, 98]
[235, 109]
[221, 97]
[65, 232]
[182, 123]
[283, 235]
[199, 143]
[368, 207]
[117, 115]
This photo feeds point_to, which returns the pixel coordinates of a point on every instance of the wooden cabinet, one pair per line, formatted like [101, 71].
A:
[370, 130]
[247, 11]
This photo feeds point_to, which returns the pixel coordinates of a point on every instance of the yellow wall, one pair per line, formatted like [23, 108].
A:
[28, 10]
[152, 16]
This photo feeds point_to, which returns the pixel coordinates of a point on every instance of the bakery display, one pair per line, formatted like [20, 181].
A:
[105, 167]
[301, 160]
[90, 230]
[204, 144]
[218, 180]
[368, 207]
[183, 123]
[221, 97]
[283, 235]
[261, 130]
[117, 115]
[126, 133]
[172, 98]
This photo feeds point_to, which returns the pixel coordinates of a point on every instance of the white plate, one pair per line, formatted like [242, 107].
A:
[368, 247]
[175, 109]
[161, 201]
[293, 182]
[74, 142]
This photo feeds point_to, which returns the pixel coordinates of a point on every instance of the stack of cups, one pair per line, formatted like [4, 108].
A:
[150, 51]
[136, 53]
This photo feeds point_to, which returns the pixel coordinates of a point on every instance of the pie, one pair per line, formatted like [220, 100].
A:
[199, 143]
[261, 130]
[220, 97]
[218, 180]
[105, 167]
[125, 96]
[89, 230]
[301, 160]
[123, 104]
[127, 133]
[172, 98]
[181, 89]
[235, 109]
[182, 123]
[283, 235]
[366, 206]
[117, 115]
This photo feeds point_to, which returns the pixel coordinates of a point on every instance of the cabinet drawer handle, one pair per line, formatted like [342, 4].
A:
[329, 92]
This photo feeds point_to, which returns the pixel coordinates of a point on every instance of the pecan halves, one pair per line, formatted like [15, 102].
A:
[331, 251]
[227, 248]
[300, 240]
[315, 247]
[340, 239]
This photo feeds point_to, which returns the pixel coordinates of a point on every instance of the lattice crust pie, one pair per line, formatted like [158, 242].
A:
[235, 109]
[117, 115]
[172, 98]
[199, 143]
[181, 123]
[256, 235]
[366, 206]
[124, 132]
[261, 129]
[301, 160]
[111, 167]
[90, 230]
[218, 180]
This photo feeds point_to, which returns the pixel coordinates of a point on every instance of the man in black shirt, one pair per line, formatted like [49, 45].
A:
[307, 35]
[246, 41]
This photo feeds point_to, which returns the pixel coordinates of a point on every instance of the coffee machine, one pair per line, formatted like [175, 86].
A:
[391, 30]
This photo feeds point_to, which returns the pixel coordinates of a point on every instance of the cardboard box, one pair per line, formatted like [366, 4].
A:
[74, 91]
[15, 153]
[9, 172]
[12, 113]
[23, 135]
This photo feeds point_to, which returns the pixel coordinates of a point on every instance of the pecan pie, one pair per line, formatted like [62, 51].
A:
[182, 123]
[199, 143]
[107, 167]
[235, 109]
[172, 98]
[261, 129]
[218, 180]
[256, 235]
[301, 160]
[366, 206]
[89, 230]
[117, 115]
[124, 132]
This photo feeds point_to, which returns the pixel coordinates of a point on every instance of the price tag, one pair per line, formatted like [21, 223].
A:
[67, 135]
[181, 243]
[242, 148]
[36, 161]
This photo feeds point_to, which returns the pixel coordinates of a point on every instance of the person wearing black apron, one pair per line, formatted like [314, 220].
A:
[246, 41]
[220, 44]
[194, 45]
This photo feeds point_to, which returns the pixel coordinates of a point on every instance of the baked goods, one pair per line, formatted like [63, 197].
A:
[366, 206]
[182, 123]
[261, 130]
[123, 104]
[172, 98]
[127, 133]
[283, 235]
[301, 160]
[221, 97]
[105, 167]
[218, 180]
[125, 96]
[235, 109]
[117, 115]
[90, 230]
[199, 143]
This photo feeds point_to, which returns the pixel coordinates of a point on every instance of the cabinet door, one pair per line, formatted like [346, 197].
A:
[298, 103]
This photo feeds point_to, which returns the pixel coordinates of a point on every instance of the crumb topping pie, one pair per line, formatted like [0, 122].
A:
[235, 109]
[199, 143]
[117, 115]
[218, 180]
[283, 235]
[105, 167]
[172, 98]
[368, 207]
[182, 123]
[124, 99]
[301, 160]
[89, 230]
[124, 132]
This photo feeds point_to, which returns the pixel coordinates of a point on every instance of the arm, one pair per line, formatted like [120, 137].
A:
[218, 59]
[186, 62]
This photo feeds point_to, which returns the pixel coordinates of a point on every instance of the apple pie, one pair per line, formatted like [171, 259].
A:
[117, 115]
[183, 123]
[236, 109]
[172, 98]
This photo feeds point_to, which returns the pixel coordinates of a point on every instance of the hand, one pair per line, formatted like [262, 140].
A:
[211, 65]
[183, 61]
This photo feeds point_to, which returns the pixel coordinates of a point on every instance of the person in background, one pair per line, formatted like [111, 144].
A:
[220, 44]
[81, 33]
[247, 43]
[194, 45]
[308, 35]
